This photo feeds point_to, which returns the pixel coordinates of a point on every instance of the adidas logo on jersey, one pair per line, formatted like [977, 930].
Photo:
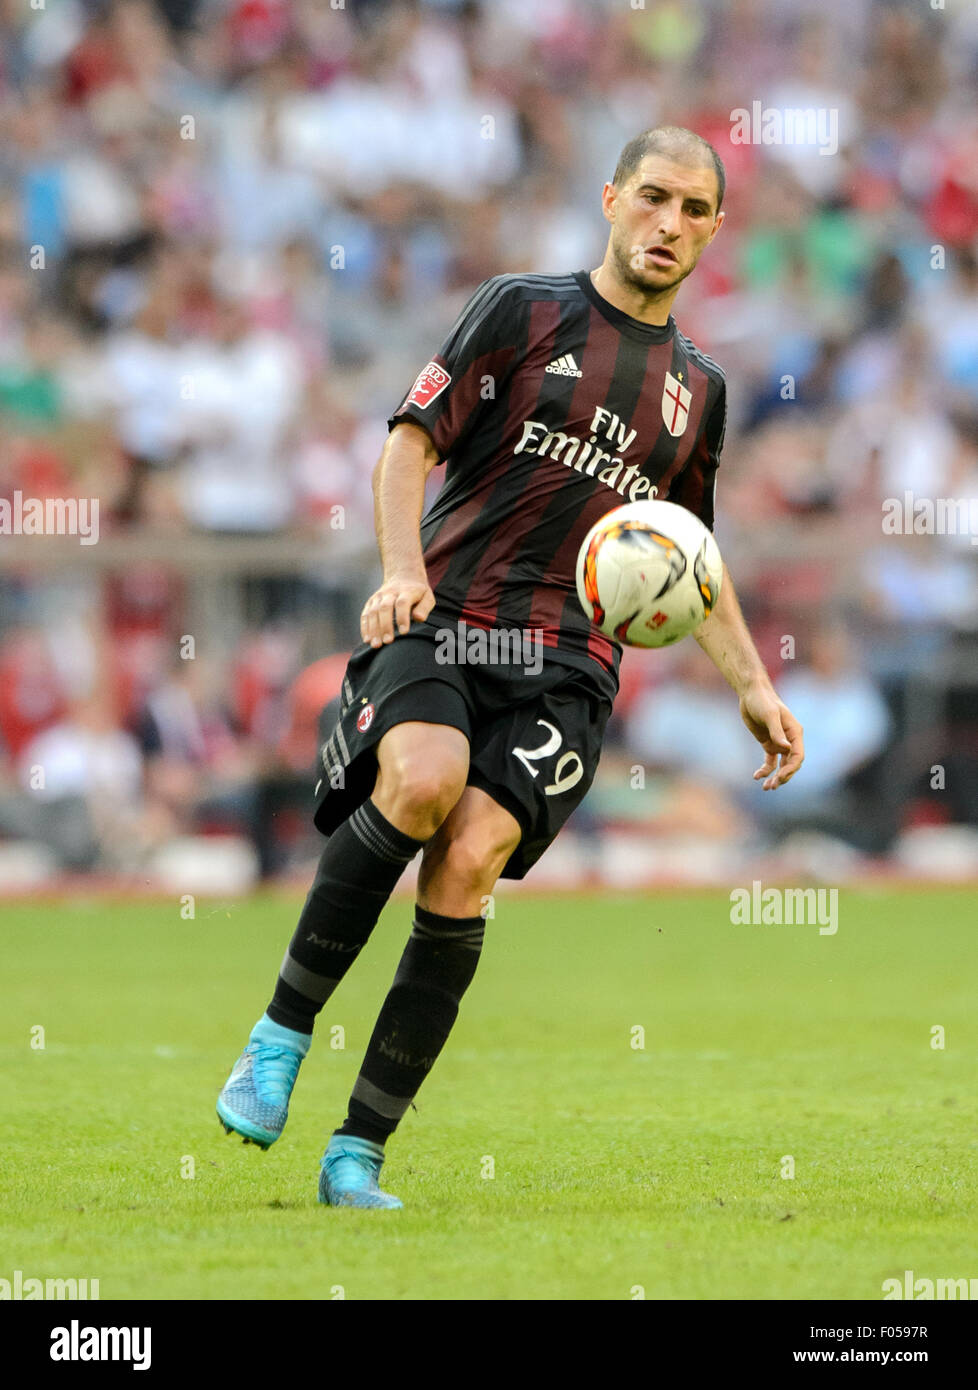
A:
[565, 366]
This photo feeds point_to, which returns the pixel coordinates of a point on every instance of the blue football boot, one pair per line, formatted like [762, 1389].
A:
[348, 1174]
[255, 1100]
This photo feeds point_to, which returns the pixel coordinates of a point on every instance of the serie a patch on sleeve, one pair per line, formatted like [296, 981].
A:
[430, 383]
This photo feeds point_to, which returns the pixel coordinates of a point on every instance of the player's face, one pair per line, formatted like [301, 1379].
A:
[662, 220]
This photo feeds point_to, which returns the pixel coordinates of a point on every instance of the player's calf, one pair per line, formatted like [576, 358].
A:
[460, 866]
[465, 856]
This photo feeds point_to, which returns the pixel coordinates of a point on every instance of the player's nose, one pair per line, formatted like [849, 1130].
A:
[669, 220]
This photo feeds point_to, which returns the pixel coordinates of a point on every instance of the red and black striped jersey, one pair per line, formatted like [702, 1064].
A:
[551, 407]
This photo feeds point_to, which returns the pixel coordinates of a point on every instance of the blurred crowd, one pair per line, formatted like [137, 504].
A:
[232, 231]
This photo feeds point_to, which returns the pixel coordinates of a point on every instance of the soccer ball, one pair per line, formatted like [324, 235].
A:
[648, 573]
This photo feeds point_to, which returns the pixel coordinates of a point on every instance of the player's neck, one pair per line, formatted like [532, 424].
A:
[646, 308]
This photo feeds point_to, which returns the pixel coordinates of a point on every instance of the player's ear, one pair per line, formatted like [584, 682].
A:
[609, 195]
[721, 217]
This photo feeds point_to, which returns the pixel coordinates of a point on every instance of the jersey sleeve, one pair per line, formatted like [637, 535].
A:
[463, 380]
[695, 488]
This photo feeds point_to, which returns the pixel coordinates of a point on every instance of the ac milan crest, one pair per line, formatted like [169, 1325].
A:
[365, 718]
[675, 405]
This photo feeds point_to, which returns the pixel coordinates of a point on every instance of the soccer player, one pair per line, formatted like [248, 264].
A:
[554, 399]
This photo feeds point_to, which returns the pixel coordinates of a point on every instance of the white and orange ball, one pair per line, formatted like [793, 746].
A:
[649, 573]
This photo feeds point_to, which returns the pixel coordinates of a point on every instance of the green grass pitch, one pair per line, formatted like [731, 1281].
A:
[615, 1167]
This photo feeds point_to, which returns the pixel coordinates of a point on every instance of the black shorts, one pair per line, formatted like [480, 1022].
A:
[534, 730]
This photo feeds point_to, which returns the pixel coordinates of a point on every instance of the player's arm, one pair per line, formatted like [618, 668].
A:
[446, 401]
[725, 639]
[408, 456]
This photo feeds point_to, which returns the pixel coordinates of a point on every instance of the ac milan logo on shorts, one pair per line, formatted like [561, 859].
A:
[365, 718]
[431, 382]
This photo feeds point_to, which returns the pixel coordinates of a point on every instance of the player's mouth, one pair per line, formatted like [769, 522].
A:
[662, 255]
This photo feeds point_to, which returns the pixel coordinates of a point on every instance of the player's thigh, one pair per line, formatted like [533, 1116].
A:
[465, 856]
[421, 772]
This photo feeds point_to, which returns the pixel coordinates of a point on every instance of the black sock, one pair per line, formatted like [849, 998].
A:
[436, 968]
[359, 868]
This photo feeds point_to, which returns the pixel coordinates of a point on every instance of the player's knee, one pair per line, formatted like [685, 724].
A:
[418, 789]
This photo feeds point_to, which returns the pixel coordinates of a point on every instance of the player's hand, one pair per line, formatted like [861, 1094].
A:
[395, 603]
[779, 734]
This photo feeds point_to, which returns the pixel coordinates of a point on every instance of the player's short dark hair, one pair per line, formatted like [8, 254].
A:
[675, 142]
